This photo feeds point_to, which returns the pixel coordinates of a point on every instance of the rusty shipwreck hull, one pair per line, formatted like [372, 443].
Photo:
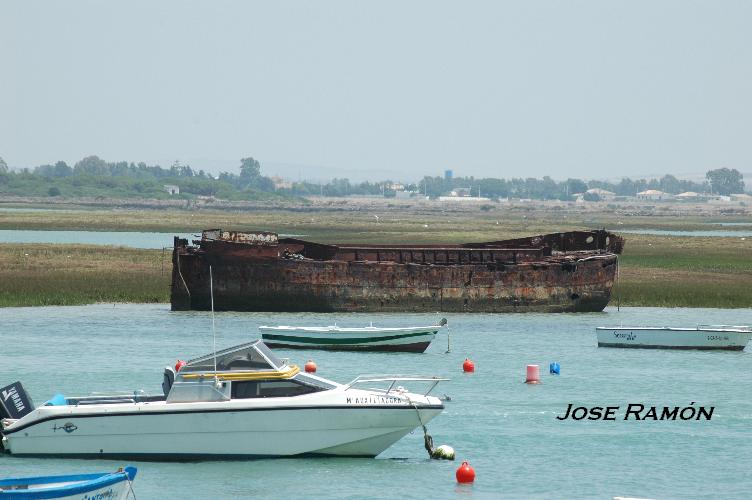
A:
[560, 272]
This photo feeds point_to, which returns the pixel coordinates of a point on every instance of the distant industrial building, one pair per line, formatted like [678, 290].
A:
[171, 189]
[448, 174]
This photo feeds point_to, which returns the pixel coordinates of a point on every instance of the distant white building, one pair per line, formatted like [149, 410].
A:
[463, 198]
[461, 192]
[688, 196]
[603, 194]
[171, 189]
[280, 183]
[654, 195]
[741, 197]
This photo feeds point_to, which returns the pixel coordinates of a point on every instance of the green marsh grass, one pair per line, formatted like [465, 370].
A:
[655, 270]
[42, 275]
[685, 292]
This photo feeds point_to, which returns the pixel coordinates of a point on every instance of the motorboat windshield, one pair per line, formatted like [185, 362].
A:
[253, 356]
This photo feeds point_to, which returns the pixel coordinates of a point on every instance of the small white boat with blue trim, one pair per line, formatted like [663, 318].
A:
[106, 485]
[370, 338]
[242, 402]
[703, 337]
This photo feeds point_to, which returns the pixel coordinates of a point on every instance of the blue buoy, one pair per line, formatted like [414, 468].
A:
[554, 368]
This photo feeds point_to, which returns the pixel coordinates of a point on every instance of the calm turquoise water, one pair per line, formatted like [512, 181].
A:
[136, 239]
[506, 429]
[740, 233]
[131, 239]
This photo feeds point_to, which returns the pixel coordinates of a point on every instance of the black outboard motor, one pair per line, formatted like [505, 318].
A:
[14, 402]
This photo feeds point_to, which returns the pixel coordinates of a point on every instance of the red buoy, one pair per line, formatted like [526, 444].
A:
[468, 366]
[465, 473]
[310, 367]
[533, 374]
[180, 363]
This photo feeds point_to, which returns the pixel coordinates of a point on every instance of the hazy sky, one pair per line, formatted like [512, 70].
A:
[379, 89]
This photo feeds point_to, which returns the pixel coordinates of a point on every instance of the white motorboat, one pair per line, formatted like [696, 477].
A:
[709, 337]
[370, 338]
[241, 402]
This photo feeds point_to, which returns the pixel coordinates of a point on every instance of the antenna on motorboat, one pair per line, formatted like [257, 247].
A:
[443, 322]
[214, 331]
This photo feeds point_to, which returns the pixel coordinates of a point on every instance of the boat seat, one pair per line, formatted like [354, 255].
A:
[169, 378]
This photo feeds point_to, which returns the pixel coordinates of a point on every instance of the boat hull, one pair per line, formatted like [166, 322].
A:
[673, 338]
[562, 272]
[361, 339]
[314, 286]
[354, 429]
[414, 347]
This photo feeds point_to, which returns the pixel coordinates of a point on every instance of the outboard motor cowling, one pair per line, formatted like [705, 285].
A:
[14, 402]
[167, 380]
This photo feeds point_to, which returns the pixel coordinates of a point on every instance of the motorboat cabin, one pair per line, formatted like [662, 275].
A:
[241, 372]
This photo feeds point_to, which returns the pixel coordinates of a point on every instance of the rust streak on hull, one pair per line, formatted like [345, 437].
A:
[560, 272]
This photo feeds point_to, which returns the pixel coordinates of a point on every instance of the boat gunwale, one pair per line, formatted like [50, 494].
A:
[339, 329]
[80, 483]
[699, 328]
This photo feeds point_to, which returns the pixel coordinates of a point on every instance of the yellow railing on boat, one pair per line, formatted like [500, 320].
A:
[289, 372]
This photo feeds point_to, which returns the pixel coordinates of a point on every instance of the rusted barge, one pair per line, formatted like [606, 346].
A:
[258, 271]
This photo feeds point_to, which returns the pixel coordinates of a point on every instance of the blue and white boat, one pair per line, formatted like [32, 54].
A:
[703, 337]
[110, 485]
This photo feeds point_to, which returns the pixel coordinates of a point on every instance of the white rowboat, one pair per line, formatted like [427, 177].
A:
[706, 337]
[370, 338]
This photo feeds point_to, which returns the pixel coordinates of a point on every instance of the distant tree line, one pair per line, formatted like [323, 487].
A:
[95, 176]
[721, 181]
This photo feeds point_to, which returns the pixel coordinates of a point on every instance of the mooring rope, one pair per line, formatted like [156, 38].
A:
[618, 286]
[130, 488]
[427, 439]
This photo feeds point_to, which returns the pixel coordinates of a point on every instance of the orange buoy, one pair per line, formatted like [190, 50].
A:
[179, 364]
[468, 366]
[465, 473]
[310, 367]
[533, 374]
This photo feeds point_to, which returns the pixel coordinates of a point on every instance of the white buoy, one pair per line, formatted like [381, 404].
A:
[443, 452]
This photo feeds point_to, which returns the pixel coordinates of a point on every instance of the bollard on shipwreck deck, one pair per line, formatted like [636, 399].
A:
[258, 271]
